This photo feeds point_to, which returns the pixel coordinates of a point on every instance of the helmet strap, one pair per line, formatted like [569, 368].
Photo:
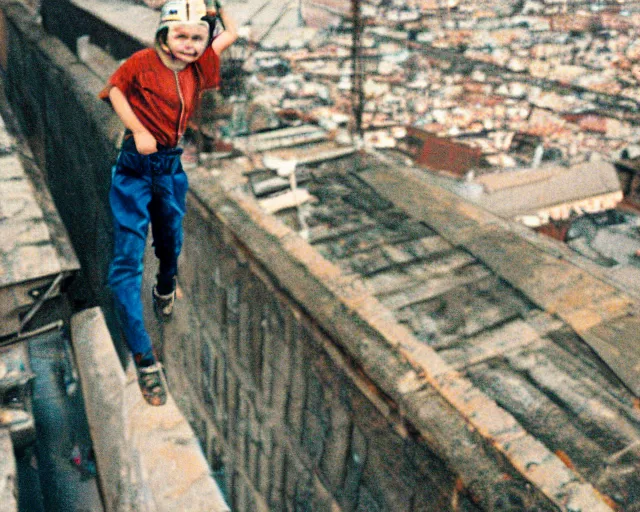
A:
[168, 58]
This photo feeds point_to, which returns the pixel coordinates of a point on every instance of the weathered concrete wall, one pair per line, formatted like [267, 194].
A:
[68, 22]
[304, 397]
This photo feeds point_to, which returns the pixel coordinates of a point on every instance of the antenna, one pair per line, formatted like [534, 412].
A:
[301, 22]
[357, 92]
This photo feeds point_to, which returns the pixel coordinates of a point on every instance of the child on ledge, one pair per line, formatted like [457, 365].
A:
[154, 92]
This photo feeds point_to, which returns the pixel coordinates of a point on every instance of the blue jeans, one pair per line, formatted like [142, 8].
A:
[144, 188]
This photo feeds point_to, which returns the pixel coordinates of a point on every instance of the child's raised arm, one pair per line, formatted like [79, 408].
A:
[230, 33]
[145, 142]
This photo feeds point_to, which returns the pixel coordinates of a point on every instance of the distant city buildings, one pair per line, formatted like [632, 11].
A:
[561, 76]
[530, 109]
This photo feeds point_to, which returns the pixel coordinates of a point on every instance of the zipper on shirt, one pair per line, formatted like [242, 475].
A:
[175, 74]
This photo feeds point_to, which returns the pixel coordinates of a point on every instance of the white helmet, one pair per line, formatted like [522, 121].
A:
[182, 11]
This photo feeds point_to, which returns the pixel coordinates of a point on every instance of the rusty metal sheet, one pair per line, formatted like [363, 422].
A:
[440, 153]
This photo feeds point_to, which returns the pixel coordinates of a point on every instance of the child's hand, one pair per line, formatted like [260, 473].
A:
[145, 143]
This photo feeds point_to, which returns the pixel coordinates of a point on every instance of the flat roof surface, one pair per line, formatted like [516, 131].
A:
[530, 190]
[33, 243]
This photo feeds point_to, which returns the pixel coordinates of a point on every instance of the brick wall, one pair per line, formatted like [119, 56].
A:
[293, 421]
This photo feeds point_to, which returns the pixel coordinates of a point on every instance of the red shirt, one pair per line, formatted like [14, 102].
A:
[162, 99]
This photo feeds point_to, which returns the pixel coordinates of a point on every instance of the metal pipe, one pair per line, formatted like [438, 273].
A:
[38, 304]
[23, 336]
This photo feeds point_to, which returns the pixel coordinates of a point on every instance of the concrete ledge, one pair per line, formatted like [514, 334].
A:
[8, 478]
[148, 457]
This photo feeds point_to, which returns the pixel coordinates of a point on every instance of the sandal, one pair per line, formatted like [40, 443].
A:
[163, 304]
[153, 384]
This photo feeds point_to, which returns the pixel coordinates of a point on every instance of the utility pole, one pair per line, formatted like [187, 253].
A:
[301, 22]
[357, 90]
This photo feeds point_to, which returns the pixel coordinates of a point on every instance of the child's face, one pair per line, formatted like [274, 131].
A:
[187, 42]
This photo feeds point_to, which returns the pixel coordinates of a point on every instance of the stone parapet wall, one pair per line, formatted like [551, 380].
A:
[69, 20]
[290, 419]
[148, 457]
